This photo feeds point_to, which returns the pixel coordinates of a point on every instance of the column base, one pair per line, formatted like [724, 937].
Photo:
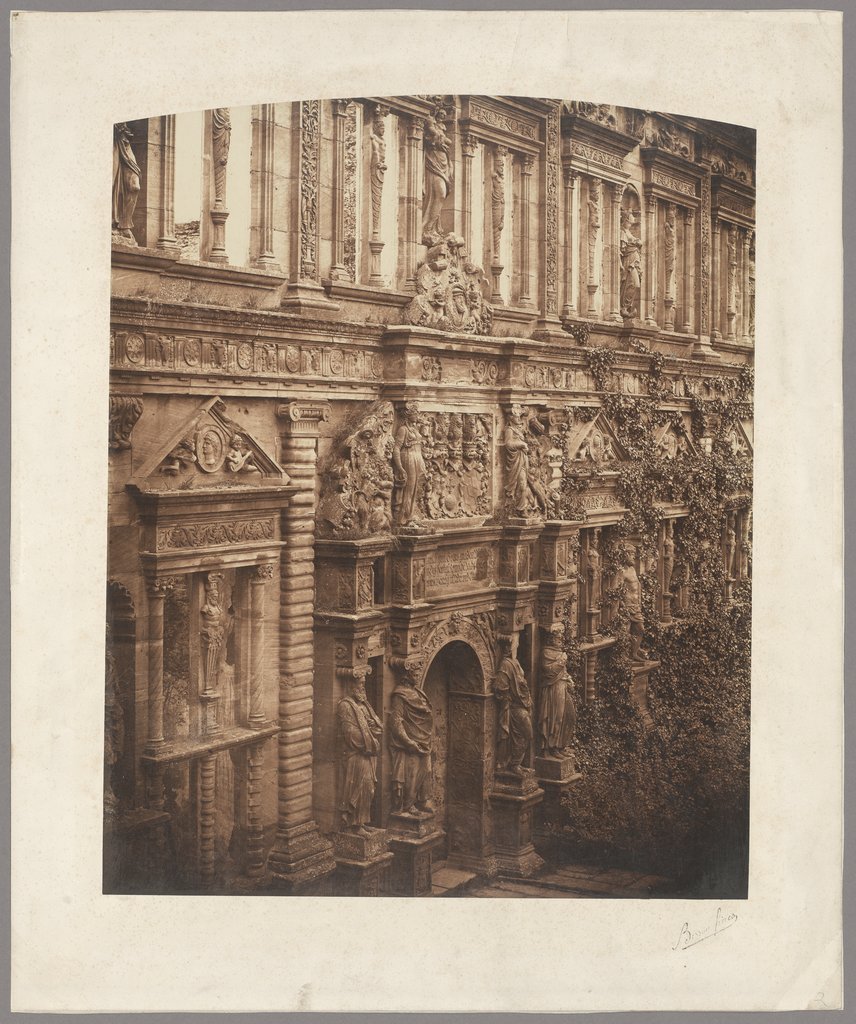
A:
[362, 863]
[301, 860]
[701, 349]
[514, 799]
[412, 839]
[307, 297]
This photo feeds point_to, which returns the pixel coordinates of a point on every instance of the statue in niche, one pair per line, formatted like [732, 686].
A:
[523, 491]
[411, 743]
[497, 197]
[438, 176]
[377, 166]
[127, 181]
[213, 630]
[594, 572]
[593, 224]
[730, 549]
[557, 716]
[409, 466]
[514, 725]
[631, 601]
[669, 249]
[668, 556]
[221, 136]
[631, 265]
[114, 729]
[360, 733]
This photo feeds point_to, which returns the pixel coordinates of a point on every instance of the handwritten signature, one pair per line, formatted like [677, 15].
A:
[724, 920]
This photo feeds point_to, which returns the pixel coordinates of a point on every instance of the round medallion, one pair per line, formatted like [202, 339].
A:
[337, 362]
[191, 351]
[135, 348]
[210, 449]
[245, 356]
[529, 376]
[292, 358]
[596, 444]
[377, 366]
[556, 377]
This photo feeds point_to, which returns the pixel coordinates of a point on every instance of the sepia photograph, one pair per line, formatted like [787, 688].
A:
[429, 562]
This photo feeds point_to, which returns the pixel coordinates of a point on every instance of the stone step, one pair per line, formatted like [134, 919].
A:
[450, 881]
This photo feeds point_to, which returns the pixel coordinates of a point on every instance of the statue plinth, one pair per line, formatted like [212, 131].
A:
[362, 862]
[556, 769]
[514, 799]
[640, 670]
[412, 840]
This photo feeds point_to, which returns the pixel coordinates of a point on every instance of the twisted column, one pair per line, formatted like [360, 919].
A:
[207, 817]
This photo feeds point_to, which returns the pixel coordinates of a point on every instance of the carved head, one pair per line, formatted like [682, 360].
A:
[626, 554]
[411, 412]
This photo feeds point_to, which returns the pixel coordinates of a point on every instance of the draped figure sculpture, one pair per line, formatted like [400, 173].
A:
[514, 725]
[557, 714]
[411, 743]
[408, 465]
[438, 177]
[126, 185]
[360, 732]
[631, 266]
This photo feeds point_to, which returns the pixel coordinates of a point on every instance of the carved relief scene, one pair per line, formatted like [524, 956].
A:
[430, 447]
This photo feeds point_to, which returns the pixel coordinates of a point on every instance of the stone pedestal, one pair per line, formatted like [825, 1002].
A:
[556, 776]
[362, 863]
[412, 839]
[514, 799]
[556, 769]
[640, 671]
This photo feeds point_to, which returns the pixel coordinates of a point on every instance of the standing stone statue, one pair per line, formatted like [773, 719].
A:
[514, 727]
[411, 742]
[377, 167]
[631, 266]
[557, 715]
[668, 556]
[409, 466]
[221, 135]
[593, 569]
[126, 185]
[631, 602]
[360, 732]
[438, 177]
[497, 199]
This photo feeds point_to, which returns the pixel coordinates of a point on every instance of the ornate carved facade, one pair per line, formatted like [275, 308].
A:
[369, 479]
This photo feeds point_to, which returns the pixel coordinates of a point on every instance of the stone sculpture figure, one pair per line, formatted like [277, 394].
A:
[127, 182]
[557, 714]
[631, 266]
[594, 572]
[212, 630]
[669, 251]
[450, 291]
[411, 743]
[517, 463]
[731, 553]
[593, 224]
[221, 135]
[438, 176]
[631, 602]
[668, 556]
[409, 466]
[514, 725]
[360, 733]
[377, 168]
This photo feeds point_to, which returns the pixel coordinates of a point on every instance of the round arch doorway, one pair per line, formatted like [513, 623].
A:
[455, 686]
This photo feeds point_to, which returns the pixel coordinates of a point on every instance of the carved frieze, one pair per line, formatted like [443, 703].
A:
[597, 156]
[451, 291]
[507, 122]
[207, 534]
[551, 214]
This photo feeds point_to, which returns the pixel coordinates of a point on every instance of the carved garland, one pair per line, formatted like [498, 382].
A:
[350, 191]
[310, 140]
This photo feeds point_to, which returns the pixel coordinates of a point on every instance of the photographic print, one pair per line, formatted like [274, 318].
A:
[430, 500]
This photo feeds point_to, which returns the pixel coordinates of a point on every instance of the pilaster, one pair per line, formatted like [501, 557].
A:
[262, 187]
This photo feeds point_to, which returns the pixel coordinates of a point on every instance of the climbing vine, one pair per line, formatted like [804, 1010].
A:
[672, 799]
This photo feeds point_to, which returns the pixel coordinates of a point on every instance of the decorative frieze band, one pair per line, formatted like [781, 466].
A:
[214, 534]
[499, 119]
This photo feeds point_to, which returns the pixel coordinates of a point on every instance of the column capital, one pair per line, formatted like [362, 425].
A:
[469, 144]
[261, 573]
[570, 176]
[415, 128]
[158, 586]
[617, 190]
[527, 163]
[340, 107]
[302, 419]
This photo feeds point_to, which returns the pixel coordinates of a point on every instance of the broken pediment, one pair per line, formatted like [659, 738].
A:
[205, 450]
[672, 440]
[594, 443]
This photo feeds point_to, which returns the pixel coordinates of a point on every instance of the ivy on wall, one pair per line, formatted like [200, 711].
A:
[672, 800]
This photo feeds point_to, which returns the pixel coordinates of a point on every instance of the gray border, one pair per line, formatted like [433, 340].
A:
[849, 228]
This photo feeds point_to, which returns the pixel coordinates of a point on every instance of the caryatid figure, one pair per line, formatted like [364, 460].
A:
[411, 742]
[126, 183]
[557, 714]
[514, 727]
[631, 602]
[409, 466]
[360, 732]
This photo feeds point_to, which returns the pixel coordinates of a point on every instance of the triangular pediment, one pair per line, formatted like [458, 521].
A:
[672, 440]
[594, 443]
[207, 449]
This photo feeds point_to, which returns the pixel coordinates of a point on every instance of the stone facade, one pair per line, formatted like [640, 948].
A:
[346, 461]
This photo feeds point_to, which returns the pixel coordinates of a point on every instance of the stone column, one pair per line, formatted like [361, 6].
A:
[715, 280]
[593, 228]
[649, 281]
[731, 309]
[260, 575]
[497, 221]
[219, 126]
[255, 828]
[616, 193]
[166, 234]
[411, 201]
[469, 145]
[207, 817]
[301, 857]
[744, 299]
[689, 267]
[527, 164]
[262, 179]
[338, 271]
[156, 589]
[571, 214]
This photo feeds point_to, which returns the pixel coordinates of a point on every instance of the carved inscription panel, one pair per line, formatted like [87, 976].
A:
[457, 569]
